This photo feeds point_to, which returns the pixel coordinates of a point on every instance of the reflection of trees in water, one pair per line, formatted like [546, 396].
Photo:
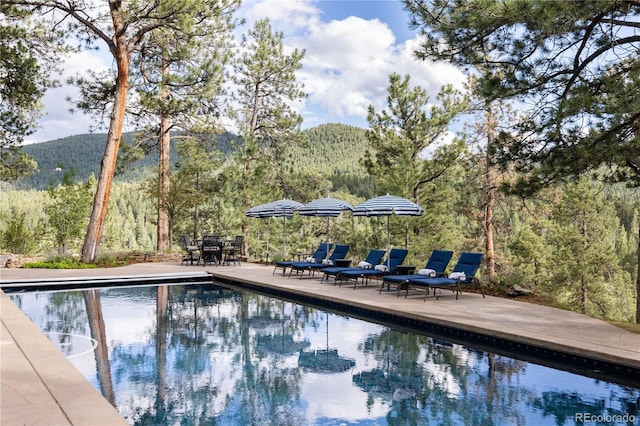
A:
[210, 346]
[268, 391]
[174, 363]
[425, 378]
[218, 356]
[563, 406]
[66, 315]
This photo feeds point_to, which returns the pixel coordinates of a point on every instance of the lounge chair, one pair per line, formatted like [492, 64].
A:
[321, 253]
[463, 274]
[373, 258]
[388, 267]
[339, 252]
[435, 267]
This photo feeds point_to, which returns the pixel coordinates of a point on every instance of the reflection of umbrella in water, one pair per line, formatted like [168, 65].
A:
[281, 208]
[379, 383]
[325, 207]
[324, 361]
[387, 383]
[282, 343]
[387, 205]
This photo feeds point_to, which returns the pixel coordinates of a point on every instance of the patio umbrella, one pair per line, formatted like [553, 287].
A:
[387, 205]
[280, 208]
[325, 207]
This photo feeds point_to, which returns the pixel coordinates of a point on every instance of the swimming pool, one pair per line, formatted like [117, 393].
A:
[205, 354]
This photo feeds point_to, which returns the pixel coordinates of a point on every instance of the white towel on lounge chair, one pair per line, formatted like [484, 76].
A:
[311, 259]
[460, 276]
[382, 268]
[428, 272]
[327, 262]
[365, 265]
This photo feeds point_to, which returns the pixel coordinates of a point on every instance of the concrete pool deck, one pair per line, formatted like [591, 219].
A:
[39, 386]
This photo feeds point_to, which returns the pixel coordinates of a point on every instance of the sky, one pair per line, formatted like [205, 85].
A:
[351, 48]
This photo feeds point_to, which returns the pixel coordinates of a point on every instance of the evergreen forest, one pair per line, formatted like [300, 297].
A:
[574, 242]
[533, 160]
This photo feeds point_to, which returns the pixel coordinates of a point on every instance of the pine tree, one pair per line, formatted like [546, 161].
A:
[399, 136]
[30, 54]
[68, 210]
[267, 88]
[585, 272]
[178, 82]
[572, 68]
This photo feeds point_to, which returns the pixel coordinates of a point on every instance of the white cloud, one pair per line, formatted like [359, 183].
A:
[290, 16]
[347, 65]
[345, 69]
[58, 121]
[347, 62]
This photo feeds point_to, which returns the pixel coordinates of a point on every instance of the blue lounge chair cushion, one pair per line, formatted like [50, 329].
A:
[339, 252]
[396, 257]
[321, 252]
[374, 258]
[438, 262]
[468, 263]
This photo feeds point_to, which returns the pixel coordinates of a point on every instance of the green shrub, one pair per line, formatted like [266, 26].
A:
[17, 238]
[70, 262]
[60, 262]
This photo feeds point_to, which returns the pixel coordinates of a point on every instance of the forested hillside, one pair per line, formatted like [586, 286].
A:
[576, 242]
[334, 149]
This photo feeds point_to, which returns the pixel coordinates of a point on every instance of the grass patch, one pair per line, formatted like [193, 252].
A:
[59, 262]
[70, 262]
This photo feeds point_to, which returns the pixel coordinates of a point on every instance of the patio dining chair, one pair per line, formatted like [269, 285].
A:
[191, 250]
[211, 250]
[231, 252]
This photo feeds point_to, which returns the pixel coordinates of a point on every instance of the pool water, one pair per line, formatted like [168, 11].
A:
[197, 355]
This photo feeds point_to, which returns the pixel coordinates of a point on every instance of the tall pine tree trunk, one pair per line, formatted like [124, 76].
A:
[637, 135]
[490, 191]
[163, 242]
[108, 165]
[638, 282]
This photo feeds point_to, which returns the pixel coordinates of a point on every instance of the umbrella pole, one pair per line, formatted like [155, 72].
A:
[284, 237]
[268, 235]
[388, 245]
[327, 318]
[327, 235]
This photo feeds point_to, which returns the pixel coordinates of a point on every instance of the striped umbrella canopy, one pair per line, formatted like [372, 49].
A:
[280, 208]
[388, 205]
[325, 207]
